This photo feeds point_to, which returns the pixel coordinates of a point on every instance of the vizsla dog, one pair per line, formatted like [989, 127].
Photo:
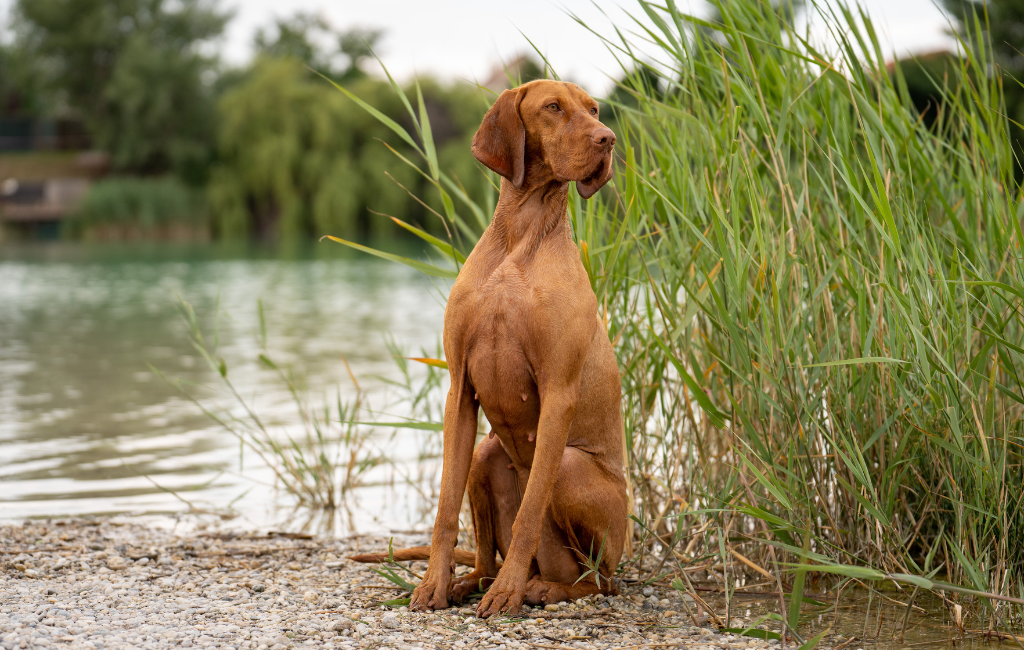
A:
[523, 340]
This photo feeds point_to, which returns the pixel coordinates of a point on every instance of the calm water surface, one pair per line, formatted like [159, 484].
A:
[87, 428]
[871, 620]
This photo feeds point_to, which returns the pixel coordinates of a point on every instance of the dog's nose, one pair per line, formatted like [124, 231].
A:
[604, 137]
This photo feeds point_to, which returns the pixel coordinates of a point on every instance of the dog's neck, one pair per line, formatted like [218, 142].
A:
[525, 216]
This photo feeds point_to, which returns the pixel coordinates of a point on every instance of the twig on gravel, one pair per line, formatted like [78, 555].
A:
[243, 551]
[552, 647]
[564, 615]
[668, 644]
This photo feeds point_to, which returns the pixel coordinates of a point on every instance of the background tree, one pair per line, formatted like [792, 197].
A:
[136, 72]
[1002, 21]
[21, 94]
[297, 158]
[311, 39]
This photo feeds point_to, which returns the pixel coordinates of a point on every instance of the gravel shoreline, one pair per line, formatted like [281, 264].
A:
[109, 584]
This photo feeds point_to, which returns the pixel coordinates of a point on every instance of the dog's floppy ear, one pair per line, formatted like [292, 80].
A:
[500, 142]
[589, 187]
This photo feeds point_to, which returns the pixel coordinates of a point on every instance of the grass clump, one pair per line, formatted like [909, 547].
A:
[317, 453]
[132, 208]
[319, 464]
[818, 317]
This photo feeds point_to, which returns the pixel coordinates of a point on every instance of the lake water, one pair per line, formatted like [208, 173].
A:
[86, 427]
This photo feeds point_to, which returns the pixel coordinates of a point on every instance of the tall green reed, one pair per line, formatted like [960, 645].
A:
[842, 284]
[815, 299]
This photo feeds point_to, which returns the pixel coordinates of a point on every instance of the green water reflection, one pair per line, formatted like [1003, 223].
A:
[82, 417]
[859, 619]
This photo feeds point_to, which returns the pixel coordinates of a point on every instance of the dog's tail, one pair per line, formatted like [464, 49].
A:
[461, 556]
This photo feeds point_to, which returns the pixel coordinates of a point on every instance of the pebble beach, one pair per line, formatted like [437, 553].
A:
[108, 584]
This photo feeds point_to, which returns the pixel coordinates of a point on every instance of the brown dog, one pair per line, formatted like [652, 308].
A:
[524, 341]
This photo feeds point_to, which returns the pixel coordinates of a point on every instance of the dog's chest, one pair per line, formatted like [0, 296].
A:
[498, 338]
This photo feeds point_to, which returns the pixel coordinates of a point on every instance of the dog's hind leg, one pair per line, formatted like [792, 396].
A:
[494, 500]
[583, 531]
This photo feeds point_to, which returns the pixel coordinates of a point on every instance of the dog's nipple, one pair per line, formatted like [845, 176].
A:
[524, 397]
[511, 465]
[490, 434]
[532, 437]
[476, 396]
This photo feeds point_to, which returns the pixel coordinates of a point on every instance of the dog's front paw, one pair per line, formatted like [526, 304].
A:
[504, 597]
[432, 593]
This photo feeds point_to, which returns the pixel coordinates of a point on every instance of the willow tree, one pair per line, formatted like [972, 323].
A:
[284, 162]
[296, 157]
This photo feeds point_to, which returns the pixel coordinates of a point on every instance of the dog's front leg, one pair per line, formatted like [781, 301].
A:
[509, 588]
[460, 426]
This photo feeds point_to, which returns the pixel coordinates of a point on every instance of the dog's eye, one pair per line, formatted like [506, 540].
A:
[553, 107]
[593, 111]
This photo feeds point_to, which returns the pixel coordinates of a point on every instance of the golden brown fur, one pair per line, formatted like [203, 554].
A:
[524, 341]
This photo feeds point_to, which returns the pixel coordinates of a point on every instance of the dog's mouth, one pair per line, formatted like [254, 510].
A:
[599, 172]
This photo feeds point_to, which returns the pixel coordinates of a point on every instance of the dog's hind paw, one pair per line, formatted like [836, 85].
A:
[469, 584]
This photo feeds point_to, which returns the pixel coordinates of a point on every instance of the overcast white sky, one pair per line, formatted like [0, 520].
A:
[467, 38]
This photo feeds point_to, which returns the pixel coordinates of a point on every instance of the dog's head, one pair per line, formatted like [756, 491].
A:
[546, 131]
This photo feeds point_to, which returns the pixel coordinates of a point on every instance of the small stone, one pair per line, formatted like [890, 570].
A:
[390, 621]
[294, 566]
[259, 588]
[310, 597]
[551, 608]
[343, 624]
[648, 591]
[670, 612]
[115, 562]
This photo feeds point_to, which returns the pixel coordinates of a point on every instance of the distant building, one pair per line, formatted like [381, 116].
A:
[26, 134]
[45, 170]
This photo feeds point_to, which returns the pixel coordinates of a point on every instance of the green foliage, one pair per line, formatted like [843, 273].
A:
[926, 78]
[283, 155]
[21, 93]
[844, 283]
[302, 37]
[998, 26]
[144, 203]
[133, 69]
[298, 158]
